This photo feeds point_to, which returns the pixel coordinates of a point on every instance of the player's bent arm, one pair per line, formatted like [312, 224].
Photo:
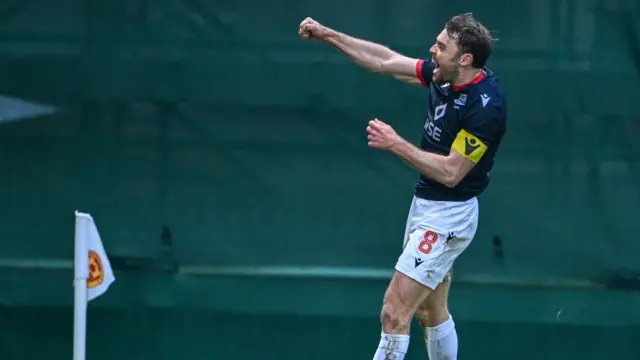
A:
[479, 129]
[375, 57]
[448, 170]
[467, 149]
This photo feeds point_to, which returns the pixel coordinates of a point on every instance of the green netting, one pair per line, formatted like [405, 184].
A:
[214, 123]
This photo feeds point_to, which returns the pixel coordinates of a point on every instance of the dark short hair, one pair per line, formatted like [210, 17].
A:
[472, 37]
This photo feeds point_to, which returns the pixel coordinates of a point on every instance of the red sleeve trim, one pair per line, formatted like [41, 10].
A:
[419, 72]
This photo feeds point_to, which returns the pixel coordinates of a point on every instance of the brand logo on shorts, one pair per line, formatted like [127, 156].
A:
[418, 261]
[451, 236]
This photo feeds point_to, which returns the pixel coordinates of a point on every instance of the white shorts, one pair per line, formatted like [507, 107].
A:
[437, 232]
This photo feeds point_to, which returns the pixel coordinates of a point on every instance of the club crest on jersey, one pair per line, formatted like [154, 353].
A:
[460, 101]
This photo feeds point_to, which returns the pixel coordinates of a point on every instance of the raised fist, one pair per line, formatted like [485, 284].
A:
[311, 29]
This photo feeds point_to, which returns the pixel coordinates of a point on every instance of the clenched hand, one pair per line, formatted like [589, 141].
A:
[311, 29]
[381, 135]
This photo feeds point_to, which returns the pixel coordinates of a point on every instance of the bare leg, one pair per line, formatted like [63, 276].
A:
[440, 334]
[401, 301]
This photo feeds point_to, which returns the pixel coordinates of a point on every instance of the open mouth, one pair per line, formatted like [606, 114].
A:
[436, 71]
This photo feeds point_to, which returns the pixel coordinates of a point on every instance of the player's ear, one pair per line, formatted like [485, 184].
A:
[466, 59]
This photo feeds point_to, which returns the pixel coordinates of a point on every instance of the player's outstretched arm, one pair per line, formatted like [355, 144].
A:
[371, 56]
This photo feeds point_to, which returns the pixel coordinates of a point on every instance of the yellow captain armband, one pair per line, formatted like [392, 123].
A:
[469, 146]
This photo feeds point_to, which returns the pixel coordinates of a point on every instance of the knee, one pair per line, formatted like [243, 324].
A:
[393, 320]
[432, 314]
[422, 314]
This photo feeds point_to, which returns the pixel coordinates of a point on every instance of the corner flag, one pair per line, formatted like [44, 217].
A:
[92, 277]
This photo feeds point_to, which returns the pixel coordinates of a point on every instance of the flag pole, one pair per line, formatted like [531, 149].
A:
[81, 274]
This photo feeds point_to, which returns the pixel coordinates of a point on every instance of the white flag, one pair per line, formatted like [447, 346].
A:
[90, 255]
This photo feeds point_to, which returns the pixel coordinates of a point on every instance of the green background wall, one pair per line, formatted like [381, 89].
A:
[212, 124]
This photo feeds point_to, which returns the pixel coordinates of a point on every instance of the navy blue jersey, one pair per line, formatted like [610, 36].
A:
[469, 119]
